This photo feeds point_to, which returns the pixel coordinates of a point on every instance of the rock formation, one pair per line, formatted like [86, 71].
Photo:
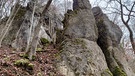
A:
[81, 23]
[91, 48]
[18, 34]
[80, 54]
[109, 41]
[90, 42]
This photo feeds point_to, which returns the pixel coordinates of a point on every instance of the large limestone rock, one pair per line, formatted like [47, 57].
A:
[80, 22]
[80, 55]
[109, 39]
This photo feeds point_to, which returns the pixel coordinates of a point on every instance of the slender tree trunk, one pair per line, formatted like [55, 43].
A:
[35, 39]
[30, 31]
[131, 37]
[126, 23]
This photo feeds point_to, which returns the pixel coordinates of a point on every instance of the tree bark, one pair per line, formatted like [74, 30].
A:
[131, 37]
[35, 39]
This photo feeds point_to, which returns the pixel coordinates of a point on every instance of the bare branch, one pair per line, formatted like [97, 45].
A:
[130, 12]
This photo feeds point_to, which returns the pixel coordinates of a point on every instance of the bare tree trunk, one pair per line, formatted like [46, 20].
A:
[126, 23]
[30, 32]
[131, 37]
[35, 39]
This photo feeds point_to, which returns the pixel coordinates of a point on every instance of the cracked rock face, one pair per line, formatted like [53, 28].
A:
[109, 41]
[80, 55]
[106, 26]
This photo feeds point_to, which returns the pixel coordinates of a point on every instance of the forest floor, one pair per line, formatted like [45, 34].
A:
[43, 64]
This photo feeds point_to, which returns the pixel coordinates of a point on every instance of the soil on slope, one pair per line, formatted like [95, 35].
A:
[43, 63]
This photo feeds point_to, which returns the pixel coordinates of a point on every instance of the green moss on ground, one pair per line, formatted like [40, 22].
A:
[27, 56]
[39, 49]
[24, 63]
[39, 74]
[24, 55]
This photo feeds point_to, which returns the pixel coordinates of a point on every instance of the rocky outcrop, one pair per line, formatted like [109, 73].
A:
[80, 55]
[13, 29]
[19, 31]
[109, 41]
[80, 23]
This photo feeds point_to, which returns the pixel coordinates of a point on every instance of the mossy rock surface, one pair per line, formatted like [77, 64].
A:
[118, 72]
[44, 41]
[81, 42]
[106, 73]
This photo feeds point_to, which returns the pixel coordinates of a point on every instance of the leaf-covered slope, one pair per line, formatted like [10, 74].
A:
[43, 65]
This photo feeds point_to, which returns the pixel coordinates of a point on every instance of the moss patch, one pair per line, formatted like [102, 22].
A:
[24, 55]
[44, 41]
[106, 73]
[80, 42]
[6, 59]
[27, 56]
[39, 74]
[39, 49]
[24, 63]
[118, 72]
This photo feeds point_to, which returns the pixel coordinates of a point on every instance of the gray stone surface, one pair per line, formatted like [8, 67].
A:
[80, 22]
[132, 64]
[81, 4]
[81, 57]
[109, 38]
[80, 54]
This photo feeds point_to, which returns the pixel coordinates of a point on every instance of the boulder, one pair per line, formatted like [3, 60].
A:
[82, 57]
